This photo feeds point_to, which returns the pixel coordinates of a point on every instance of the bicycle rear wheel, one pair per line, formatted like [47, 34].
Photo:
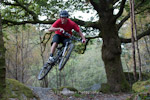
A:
[65, 58]
[44, 71]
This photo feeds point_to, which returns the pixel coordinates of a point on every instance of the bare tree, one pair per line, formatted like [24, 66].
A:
[22, 58]
[16, 55]
[45, 80]
[133, 39]
[136, 41]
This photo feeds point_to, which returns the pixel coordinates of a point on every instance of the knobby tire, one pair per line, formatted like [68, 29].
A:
[65, 58]
[44, 71]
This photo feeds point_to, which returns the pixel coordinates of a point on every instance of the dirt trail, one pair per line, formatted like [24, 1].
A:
[48, 94]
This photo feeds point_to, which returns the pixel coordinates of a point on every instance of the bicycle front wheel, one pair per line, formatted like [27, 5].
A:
[65, 58]
[44, 71]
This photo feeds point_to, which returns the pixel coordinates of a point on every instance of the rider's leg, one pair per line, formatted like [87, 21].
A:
[55, 41]
[51, 59]
[54, 45]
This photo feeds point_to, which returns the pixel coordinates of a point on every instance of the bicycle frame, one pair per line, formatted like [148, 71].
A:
[61, 51]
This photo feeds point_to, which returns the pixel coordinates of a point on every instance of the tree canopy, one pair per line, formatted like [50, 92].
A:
[18, 12]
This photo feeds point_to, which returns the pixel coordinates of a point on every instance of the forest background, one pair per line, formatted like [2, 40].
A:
[28, 46]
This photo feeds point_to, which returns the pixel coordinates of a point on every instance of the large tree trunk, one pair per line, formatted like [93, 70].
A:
[2, 62]
[111, 48]
[111, 52]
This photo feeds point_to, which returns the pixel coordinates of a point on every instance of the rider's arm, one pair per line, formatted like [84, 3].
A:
[82, 36]
[52, 29]
[77, 29]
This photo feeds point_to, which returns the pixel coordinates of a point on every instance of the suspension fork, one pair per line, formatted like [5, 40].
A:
[65, 48]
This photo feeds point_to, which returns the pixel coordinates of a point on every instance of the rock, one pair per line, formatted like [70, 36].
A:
[44, 93]
[142, 89]
[67, 92]
[18, 91]
[141, 86]
[96, 87]
[12, 99]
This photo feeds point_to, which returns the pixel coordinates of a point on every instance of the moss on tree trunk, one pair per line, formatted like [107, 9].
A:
[2, 62]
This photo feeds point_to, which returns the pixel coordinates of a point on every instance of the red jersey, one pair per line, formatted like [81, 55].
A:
[67, 26]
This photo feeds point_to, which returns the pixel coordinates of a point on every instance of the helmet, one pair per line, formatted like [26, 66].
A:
[63, 13]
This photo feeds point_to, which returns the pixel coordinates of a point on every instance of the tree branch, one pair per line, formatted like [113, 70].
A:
[85, 46]
[121, 9]
[87, 24]
[10, 22]
[138, 37]
[36, 20]
[128, 15]
[35, 17]
[115, 1]
[93, 37]
[44, 38]
[123, 20]
[95, 5]
[7, 3]
[79, 22]
[87, 41]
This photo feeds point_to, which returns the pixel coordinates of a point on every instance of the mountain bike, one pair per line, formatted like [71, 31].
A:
[61, 57]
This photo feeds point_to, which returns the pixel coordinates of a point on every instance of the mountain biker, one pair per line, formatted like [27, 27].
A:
[60, 25]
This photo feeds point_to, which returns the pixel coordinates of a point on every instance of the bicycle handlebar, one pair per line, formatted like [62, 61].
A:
[71, 36]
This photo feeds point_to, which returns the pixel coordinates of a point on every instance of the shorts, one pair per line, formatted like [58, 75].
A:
[60, 39]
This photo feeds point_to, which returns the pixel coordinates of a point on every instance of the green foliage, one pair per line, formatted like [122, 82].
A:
[137, 2]
[144, 96]
[96, 1]
[79, 48]
[78, 95]
[48, 8]
[140, 96]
